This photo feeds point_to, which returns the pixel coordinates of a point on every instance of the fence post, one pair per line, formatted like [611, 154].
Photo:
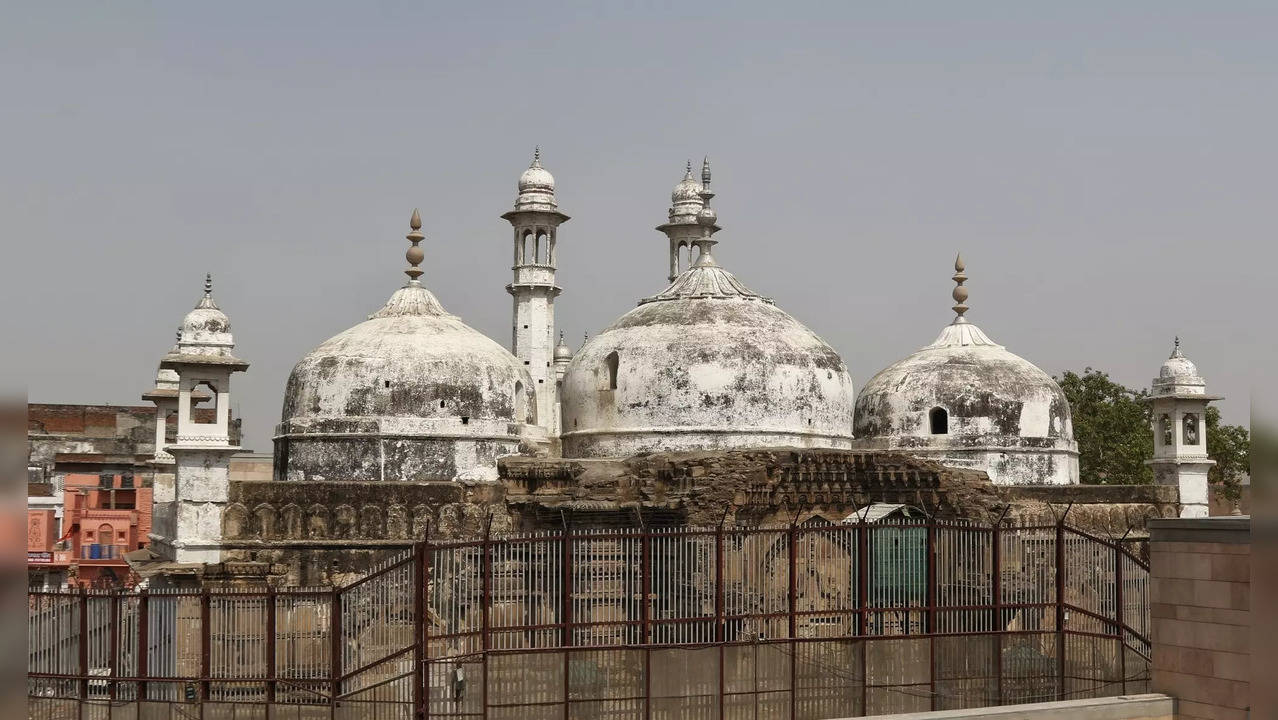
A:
[1119, 620]
[996, 592]
[113, 662]
[270, 644]
[794, 624]
[486, 592]
[335, 647]
[863, 602]
[206, 643]
[645, 615]
[932, 598]
[720, 629]
[144, 631]
[565, 612]
[419, 629]
[1060, 609]
[83, 648]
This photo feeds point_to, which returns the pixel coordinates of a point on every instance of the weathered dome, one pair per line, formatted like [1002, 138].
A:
[1178, 375]
[563, 353]
[687, 191]
[205, 328]
[968, 400]
[984, 389]
[412, 393]
[411, 359]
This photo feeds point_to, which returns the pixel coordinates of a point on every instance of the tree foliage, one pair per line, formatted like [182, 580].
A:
[1112, 427]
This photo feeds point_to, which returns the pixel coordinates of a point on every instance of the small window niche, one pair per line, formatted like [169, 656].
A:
[939, 420]
[613, 361]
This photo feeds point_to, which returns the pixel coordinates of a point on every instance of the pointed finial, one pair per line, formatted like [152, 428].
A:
[705, 172]
[561, 337]
[208, 284]
[960, 292]
[536, 163]
[414, 254]
[178, 338]
[1176, 348]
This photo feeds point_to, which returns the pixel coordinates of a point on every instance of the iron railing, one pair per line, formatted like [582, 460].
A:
[805, 621]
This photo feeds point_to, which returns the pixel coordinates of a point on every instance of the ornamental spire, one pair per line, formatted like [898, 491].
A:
[706, 218]
[960, 292]
[208, 284]
[536, 163]
[414, 254]
[1176, 348]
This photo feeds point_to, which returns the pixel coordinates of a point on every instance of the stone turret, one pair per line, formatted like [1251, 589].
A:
[1178, 414]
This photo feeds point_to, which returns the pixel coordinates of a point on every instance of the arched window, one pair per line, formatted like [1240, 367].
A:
[940, 421]
[613, 361]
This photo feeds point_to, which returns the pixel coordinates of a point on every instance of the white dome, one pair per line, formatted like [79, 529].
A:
[536, 178]
[1178, 375]
[969, 400]
[438, 396]
[706, 364]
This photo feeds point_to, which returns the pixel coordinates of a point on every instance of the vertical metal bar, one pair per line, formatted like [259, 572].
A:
[486, 593]
[1060, 610]
[932, 598]
[645, 616]
[84, 649]
[793, 607]
[1118, 616]
[270, 644]
[998, 626]
[114, 647]
[566, 611]
[143, 641]
[419, 625]
[863, 577]
[206, 643]
[335, 648]
[720, 629]
[428, 569]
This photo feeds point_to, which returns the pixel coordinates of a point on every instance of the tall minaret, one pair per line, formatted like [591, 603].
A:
[536, 219]
[1178, 413]
[682, 227]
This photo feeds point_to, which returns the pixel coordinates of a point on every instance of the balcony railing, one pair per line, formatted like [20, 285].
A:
[98, 551]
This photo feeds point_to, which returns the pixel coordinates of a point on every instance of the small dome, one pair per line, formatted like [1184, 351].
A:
[1177, 365]
[536, 178]
[688, 189]
[563, 353]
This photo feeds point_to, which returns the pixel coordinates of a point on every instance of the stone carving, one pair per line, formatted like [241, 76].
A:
[317, 522]
[292, 516]
[396, 522]
[235, 521]
[422, 519]
[344, 520]
[370, 523]
[264, 517]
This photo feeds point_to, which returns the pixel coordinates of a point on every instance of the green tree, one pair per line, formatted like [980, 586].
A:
[1111, 425]
[1230, 447]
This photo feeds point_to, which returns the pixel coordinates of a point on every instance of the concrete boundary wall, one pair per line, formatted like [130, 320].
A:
[1131, 707]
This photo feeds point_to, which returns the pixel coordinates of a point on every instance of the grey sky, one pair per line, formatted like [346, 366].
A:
[1106, 171]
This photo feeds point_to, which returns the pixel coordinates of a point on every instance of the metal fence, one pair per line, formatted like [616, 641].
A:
[807, 621]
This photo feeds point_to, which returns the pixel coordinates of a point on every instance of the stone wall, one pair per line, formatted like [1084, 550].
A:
[1200, 595]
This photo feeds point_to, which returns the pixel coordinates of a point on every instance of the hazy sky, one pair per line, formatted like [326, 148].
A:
[1106, 170]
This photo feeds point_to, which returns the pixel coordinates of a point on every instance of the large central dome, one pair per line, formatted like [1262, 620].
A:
[705, 364]
[412, 394]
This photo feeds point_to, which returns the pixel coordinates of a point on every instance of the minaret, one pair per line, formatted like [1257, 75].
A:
[189, 529]
[1178, 415]
[563, 356]
[682, 228]
[536, 220]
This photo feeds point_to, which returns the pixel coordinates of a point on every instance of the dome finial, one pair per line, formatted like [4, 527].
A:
[536, 163]
[705, 172]
[960, 292]
[208, 284]
[1176, 348]
[414, 254]
[687, 173]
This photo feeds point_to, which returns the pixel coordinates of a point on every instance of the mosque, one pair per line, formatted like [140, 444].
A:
[412, 420]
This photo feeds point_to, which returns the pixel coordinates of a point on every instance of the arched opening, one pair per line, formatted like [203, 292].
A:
[613, 360]
[524, 247]
[203, 390]
[521, 406]
[940, 421]
[541, 257]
